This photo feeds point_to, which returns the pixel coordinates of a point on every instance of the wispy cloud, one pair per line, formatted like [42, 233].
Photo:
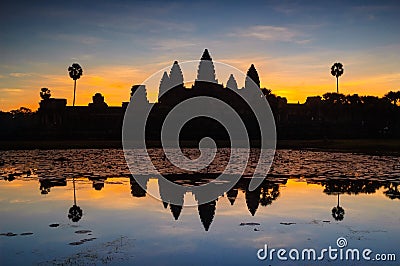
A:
[168, 44]
[11, 90]
[270, 33]
[20, 75]
[77, 38]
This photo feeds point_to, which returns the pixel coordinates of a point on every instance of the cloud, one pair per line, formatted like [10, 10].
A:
[305, 41]
[77, 38]
[20, 75]
[270, 33]
[11, 90]
[169, 44]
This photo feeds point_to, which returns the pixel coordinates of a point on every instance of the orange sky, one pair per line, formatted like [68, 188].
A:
[292, 46]
[114, 82]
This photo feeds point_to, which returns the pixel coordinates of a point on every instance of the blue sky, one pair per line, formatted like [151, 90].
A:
[120, 43]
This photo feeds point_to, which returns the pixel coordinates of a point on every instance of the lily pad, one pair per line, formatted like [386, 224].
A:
[26, 234]
[8, 234]
[252, 224]
[83, 231]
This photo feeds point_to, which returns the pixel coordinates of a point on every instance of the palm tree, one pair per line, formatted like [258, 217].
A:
[337, 70]
[75, 212]
[45, 93]
[75, 72]
[338, 212]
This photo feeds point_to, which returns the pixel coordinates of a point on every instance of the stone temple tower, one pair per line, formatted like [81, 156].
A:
[175, 75]
[252, 78]
[206, 71]
[164, 85]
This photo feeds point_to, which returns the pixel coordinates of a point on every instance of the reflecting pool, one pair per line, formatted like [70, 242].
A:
[83, 207]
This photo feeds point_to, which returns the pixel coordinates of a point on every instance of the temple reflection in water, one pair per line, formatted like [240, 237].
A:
[97, 169]
[263, 196]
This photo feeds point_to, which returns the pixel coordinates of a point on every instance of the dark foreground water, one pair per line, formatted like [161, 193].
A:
[308, 201]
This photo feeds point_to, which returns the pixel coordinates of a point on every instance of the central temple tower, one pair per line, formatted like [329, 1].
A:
[206, 71]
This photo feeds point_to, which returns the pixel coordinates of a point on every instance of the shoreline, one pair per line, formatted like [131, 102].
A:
[368, 146]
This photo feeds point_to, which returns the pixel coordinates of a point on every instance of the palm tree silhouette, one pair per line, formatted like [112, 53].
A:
[338, 212]
[75, 72]
[336, 71]
[45, 93]
[75, 212]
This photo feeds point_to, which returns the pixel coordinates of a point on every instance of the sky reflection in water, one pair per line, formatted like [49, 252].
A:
[127, 226]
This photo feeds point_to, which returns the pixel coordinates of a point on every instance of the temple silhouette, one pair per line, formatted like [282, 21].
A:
[331, 116]
[266, 194]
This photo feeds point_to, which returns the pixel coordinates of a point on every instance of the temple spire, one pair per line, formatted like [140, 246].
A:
[231, 83]
[252, 76]
[175, 76]
[139, 94]
[207, 213]
[206, 71]
[253, 200]
[232, 195]
[175, 210]
[164, 85]
[206, 55]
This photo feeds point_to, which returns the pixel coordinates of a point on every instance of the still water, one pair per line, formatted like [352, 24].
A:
[308, 200]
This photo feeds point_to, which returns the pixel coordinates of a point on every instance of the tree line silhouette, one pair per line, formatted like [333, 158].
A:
[333, 115]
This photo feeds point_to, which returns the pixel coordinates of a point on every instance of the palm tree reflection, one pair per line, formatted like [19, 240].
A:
[75, 212]
[338, 212]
